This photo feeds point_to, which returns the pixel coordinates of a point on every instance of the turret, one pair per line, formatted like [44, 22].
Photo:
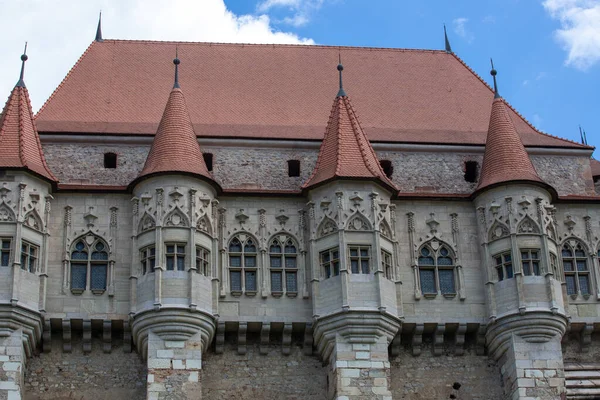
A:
[519, 247]
[353, 279]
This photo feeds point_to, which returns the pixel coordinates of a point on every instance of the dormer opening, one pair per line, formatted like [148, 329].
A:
[471, 171]
[110, 160]
[388, 167]
[293, 168]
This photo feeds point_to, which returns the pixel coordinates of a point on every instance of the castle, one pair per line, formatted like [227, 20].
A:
[216, 234]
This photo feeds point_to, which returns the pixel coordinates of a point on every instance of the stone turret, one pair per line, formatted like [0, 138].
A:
[353, 281]
[518, 239]
[173, 292]
[26, 183]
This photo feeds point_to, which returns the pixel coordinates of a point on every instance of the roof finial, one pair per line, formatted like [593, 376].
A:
[493, 72]
[340, 68]
[176, 62]
[99, 29]
[581, 135]
[448, 48]
[24, 57]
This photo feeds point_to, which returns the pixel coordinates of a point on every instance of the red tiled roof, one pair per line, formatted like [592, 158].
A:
[19, 142]
[505, 157]
[345, 151]
[278, 91]
[175, 147]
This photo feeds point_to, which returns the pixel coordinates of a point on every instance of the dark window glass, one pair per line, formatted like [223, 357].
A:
[208, 160]
[471, 171]
[98, 277]
[110, 160]
[387, 167]
[293, 168]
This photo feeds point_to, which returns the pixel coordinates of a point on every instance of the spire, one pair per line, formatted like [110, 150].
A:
[21, 82]
[99, 29]
[175, 148]
[505, 159]
[345, 151]
[493, 72]
[20, 146]
[176, 61]
[447, 42]
[340, 68]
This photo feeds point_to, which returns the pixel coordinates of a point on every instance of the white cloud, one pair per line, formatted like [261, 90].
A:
[580, 30]
[301, 10]
[58, 32]
[461, 30]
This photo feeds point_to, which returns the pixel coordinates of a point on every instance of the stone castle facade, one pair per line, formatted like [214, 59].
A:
[190, 263]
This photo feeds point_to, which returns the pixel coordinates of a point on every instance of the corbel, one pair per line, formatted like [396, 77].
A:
[87, 336]
[286, 345]
[220, 338]
[242, 329]
[47, 337]
[265, 334]
[107, 336]
[438, 340]
[308, 339]
[126, 337]
[459, 340]
[585, 338]
[417, 339]
[66, 333]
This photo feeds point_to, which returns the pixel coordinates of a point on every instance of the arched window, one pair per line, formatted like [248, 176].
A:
[242, 265]
[575, 265]
[436, 270]
[284, 266]
[89, 260]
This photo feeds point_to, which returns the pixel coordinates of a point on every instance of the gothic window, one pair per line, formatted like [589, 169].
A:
[89, 260]
[436, 270]
[202, 261]
[360, 259]
[575, 265]
[242, 265]
[531, 262]
[554, 265]
[386, 263]
[330, 262]
[283, 265]
[175, 256]
[504, 267]
[148, 259]
[5, 252]
[29, 256]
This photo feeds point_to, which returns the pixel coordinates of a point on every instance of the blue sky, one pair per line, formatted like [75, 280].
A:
[547, 52]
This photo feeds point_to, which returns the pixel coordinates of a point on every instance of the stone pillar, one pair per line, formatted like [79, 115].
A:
[174, 368]
[533, 370]
[359, 370]
[12, 363]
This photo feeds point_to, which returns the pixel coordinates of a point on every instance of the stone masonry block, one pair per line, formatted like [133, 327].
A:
[159, 363]
[164, 353]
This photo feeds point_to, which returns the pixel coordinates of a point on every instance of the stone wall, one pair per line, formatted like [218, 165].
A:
[253, 376]
[95, 376]
[255, 167]
[427, 377]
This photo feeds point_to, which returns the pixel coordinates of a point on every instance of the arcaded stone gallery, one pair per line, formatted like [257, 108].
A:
[211, 221]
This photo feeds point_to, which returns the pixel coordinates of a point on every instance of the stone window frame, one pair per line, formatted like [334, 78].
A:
[553, 259]
[425, 252]
[148, 259]
[387, 264]
[248, 250]
[287, 273]
[176, 256]
[573, 277]
[95, 259]
[504, 265]
[5, 251]
[359, 259]
[531, 266]
[203, 261]
[30, 255]
[330, 265]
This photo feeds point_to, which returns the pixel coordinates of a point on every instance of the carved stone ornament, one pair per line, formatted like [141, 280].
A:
[527, 225]
[494, 208]
[498, 231]
[176, 218]
[33, 221]
[175, 194]
[551, 231]
[6, 214]
[282, 218]
[327, 226]
[145, 198]
[90, 218]
[570, 222]
[524, 203]
[203, 224]
[4, 191]
[147, 223]
[356, 199]
[385, 230]
[241, 216]
[325, 203]
[358, 223]
[34, 196]
[432, 223]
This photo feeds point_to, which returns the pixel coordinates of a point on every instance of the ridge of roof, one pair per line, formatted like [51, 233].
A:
[505, 158]
[345, 137]
[175, 147]
[67, 76]
[18, 135]
[514, 109]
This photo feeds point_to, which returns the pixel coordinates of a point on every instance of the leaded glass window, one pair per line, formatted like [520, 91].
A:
[5, 252]
[504, 266]
[283, 265]
[89, 260]
[148, 259]
[330, 262]
[530, 260]
[360, 259]
[436, 270]
[175, 256]
[575, 265]
[386, 261]
[243, 267]
[29, 256]
[202, 261]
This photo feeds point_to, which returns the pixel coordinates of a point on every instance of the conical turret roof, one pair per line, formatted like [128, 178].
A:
[20, 146]
[345, 151]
